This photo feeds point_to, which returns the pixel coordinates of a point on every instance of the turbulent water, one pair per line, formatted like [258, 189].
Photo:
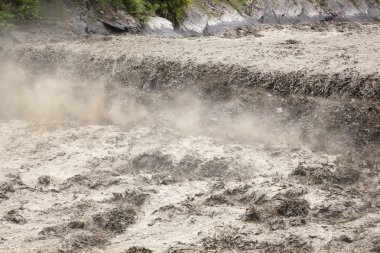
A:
[102, 165]
[42, 97]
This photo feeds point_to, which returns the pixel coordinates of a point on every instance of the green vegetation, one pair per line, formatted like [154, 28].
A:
[174, 10]
[5, 18]
[140, 9]
[19, 9]
[238, 5]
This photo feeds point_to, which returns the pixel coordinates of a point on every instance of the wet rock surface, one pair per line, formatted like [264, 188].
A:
[70, 19]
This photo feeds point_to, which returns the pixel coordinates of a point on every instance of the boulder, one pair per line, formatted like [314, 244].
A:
[195, 22]
[230, 18]
[160, 27]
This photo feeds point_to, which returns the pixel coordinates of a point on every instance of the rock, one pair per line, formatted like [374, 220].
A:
[122, 22]
[223, 17]
[70, 19]
[230, 19]
[195, 22]
[299, 11]
[159, 26]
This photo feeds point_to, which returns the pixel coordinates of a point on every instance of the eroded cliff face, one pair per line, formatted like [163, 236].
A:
[300, 10]
[290, 11]
[65, 19]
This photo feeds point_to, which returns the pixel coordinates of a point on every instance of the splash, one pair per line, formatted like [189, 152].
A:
[24, 95]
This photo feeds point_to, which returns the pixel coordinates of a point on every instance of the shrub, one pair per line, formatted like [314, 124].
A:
[27, 9]
[140, 9]
[238, 5]
[5, 18]
[173, 10]
[19, 9]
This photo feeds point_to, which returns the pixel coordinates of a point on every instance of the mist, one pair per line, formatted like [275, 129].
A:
[26, 96]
